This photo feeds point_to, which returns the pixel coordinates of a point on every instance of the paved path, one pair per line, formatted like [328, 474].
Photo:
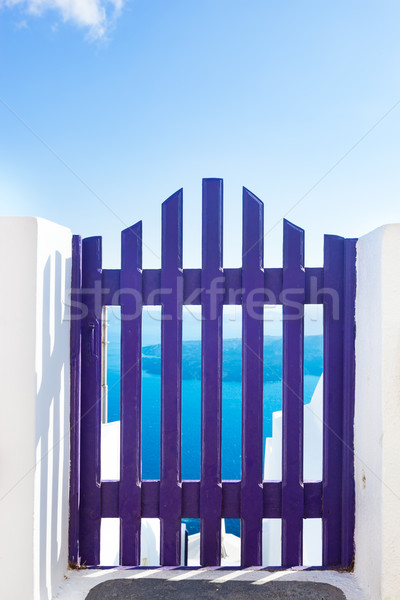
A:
[159, 589]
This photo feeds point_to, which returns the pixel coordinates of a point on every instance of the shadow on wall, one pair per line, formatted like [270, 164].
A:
[52, 428]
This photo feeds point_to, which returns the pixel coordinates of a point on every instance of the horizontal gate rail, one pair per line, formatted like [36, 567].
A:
[230, 499]
[211, 499]
[230, 286]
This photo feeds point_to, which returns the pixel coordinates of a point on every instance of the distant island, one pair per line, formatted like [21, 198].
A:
[232, 358]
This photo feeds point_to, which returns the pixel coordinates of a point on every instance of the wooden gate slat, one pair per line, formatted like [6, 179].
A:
[171, 381]
[90, 510]
[348, 502]
[131, 392]
[292, 395]
[333, 399]
[252, 380]
[75, 409]
[211, 375]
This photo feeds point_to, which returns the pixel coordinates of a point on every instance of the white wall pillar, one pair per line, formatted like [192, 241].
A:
[35, 275]
[377, 414]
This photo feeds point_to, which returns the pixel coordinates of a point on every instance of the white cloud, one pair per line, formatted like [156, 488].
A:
[95, 15]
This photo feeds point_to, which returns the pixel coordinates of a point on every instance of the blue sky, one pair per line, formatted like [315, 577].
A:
[143, 97]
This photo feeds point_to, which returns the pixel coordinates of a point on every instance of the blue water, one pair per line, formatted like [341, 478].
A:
[191, 390]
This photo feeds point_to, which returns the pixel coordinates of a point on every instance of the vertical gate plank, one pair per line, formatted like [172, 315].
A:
[333, 399]
[90, 510]
[348, 402]
[252, 380]
[211, 375]
[293, 395]
[131, 390]
[75, 409]
[171, 381]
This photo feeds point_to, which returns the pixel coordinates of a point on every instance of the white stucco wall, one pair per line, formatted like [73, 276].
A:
[35, 274]
[377, 414]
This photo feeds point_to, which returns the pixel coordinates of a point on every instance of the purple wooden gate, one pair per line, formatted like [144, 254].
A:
[211, 499]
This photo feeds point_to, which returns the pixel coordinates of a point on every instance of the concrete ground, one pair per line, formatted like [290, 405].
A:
[208, 583]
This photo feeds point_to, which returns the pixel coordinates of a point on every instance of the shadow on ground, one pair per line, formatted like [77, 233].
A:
[156, 589]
